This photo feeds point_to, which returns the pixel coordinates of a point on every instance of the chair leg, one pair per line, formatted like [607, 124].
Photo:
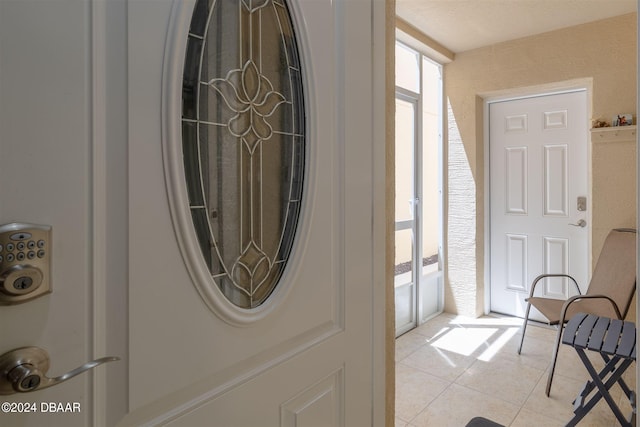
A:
[554, 359]
[524, 326]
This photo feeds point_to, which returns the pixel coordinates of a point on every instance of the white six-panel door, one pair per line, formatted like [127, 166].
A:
[538, 172]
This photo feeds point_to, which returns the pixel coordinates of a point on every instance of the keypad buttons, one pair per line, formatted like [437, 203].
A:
[22, 249]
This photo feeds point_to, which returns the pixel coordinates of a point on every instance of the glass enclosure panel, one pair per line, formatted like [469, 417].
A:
[404, 257]
[431, 289]
[405, 290]
[431, 172]
[405, 147]
[407, 68]
[405, 308]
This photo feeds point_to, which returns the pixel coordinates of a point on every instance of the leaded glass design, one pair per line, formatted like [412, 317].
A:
[243, 135]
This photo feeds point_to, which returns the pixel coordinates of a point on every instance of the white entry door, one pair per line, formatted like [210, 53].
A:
[538, 170]
[90, 103]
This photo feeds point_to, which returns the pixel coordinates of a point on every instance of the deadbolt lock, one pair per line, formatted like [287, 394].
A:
[21, 280]
[581, 204]
[25, 262]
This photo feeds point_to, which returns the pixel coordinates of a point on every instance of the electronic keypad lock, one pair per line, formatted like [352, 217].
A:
[25, 262]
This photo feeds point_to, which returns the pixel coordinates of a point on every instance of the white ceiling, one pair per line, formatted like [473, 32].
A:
[460, 25]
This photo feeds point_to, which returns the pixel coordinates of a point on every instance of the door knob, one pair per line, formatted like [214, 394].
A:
[581, 223]
[24, 369]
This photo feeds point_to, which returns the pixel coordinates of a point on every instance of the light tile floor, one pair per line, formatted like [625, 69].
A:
[452, 369]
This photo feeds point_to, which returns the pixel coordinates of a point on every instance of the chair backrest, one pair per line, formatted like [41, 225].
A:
[615, 272]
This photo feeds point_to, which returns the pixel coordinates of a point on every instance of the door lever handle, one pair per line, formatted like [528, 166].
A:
[581, 223]
[24, 370]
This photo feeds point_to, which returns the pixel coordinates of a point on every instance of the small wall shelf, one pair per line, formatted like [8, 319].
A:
[613, 134]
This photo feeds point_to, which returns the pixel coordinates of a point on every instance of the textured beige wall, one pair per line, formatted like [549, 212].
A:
[602, 55]
[614, 189]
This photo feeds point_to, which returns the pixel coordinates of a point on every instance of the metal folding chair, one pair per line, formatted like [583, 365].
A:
[610, 292]
[615, 340]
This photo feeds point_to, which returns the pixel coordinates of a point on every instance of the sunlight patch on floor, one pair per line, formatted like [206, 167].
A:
[464, 341]
[466, 336]
[496, 346]
[488, 320]
[440, 333]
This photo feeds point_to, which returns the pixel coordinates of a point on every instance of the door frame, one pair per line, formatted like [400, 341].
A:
[568, 86]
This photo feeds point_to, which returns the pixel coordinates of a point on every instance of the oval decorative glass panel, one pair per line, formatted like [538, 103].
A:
[243, 142]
